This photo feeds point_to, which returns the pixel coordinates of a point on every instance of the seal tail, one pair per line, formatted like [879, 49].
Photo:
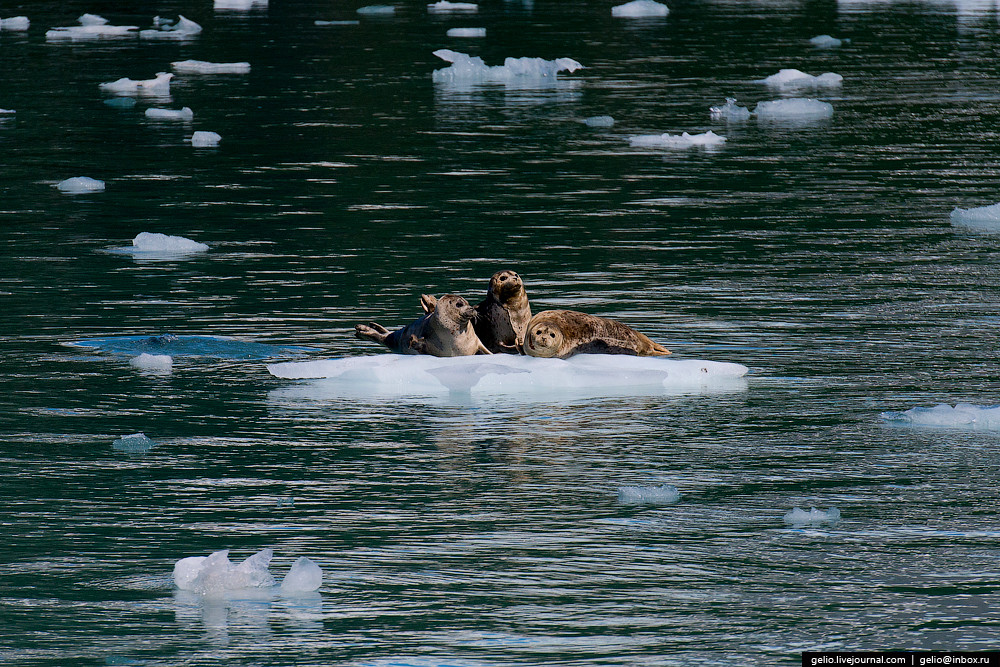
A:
[373, 332]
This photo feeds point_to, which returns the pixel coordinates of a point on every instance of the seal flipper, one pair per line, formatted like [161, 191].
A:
[428, 303]
[373, 331]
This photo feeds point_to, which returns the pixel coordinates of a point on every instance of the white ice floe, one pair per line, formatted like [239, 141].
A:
[599, 121]
[239, 4]
[160, 85]
[7, 112]
[183, 28]
[444, 6]
[403, 374]
[800, 517]
[15, 24]
[154, 242]
[466, 32]
[204, 67]
[794, 78]
[215, 575]
[203, 139]
[962, 415]
[982, 217]
[684, 140]
[170, 114]
[92, 27]
[161, 363]
[465, 68]
[640, 9]
[730, 111]
[80, 184]
[794, 109]
[648, 495]
[377, 10]
[827, 42]
[133, 444]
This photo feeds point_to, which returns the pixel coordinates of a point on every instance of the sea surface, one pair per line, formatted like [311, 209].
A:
[488, 530]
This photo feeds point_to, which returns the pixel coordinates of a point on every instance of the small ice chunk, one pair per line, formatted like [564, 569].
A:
[137, 442]
[707, 139]
[795, 108]
[91, 20]
[730, 111]
[125, 86]
[153, 362]
[467, 68]
[184, 28]
[304, 576]
[239, 4]
[80, 184]
[170, 114]
[982, 217]
[827, 42]
[15, 24]
[599, 121]
[203, 139]
[962, 415]
[445, 6]
[215, 574]
[648, 495]
[466, 32]
[377, 10]
[155, 242]
[92, 27]
[793, 78]
[7, 112]
[204, 67]
[640, 9]
[798, 516]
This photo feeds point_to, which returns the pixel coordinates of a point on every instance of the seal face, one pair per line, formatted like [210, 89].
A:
[445, 332]
[563, 333]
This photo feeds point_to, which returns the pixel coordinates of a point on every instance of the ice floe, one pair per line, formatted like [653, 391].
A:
[599, 121]
[182, 28]
[982, 217]
[801, 517]
[136, 443]
[465, 68]
[92, 27]
[215, 575]
[402, 374]
[827, 42]
[794, 109]
[170, 114]
[240, 5]
[218, 347]
[15, 24]
[203, 139]
[161, 363]
[156, 242]
[444, 7]
[648, 495]
[80, 185]
[204, 67]
[794, 78]
[730, 111]
[7, 112]
[962, 415]
[466, 32]
[160, 85]
[640, 9]
[377, 10]
[684, 140]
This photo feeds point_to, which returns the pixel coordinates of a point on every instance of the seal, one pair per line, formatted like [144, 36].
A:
[563, 333]
[502, 317]
[445, 332]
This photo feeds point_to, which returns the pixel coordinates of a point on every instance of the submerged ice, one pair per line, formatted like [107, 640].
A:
[80, 185]
[648, 495]
[962, 415]
[801, 517]
[466, 68]
[216, 575]
[135, 443]
[684, 140]
[795, 108]
[219, 347]
[162, 363]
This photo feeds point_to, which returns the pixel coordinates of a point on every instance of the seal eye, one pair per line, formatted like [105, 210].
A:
[503, 278]
[552, 335]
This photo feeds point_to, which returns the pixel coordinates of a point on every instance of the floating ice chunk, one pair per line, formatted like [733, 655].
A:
[730, 111]
[135, 443]
[91, 19]
[466, 32]
[203, 139]
[377, 10]
[827, 42]
[648, 495]
[80, 184]
[982, 217]
[239, 4]
[466, 68]
[599, 121]
[216, 575]
[183, 28]
[15, 24]
[7, 112]
[125, 86]
[640, 9]
[800, 517]
[153, 362]
[170, 114]
[155, 242]
[706, 139]
[963, 415]
[793, 78]
[304, 576]
[795, 108]
[91, 27]
[204, 67]
[444, 6]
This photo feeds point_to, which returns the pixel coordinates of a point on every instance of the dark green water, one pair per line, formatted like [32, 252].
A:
[487, 530]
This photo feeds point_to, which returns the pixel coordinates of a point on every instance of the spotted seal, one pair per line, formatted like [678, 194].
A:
[563, 333]
[445, 332]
